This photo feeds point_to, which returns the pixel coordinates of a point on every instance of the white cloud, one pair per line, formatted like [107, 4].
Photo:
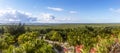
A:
[55, 9]
[14, 16]
[72, 12]
[10, 15]
[115, 10]
[46, 17]
[50, 18]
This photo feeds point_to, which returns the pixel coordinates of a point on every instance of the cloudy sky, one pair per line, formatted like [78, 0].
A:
[60, 11]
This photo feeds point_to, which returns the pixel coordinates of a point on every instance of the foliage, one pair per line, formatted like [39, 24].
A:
[28, 36]
[15, 39]
[54, 36]
[15, 29]
[6, 40]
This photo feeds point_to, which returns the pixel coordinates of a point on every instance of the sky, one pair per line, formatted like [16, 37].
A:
[60, 11]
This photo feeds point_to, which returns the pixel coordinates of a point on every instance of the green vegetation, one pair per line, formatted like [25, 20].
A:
[23, 38]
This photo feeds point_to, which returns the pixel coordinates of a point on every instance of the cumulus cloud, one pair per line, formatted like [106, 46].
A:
[115, 10]
[10, 15]
[15, 16]
[48, 16]
[45, 17]
[55, 9]
[72, 12]
[51, 18]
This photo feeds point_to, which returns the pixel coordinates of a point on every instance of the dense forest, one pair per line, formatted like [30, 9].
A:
[74, 38]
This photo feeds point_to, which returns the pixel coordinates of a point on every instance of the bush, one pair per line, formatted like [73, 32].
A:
[15, 29]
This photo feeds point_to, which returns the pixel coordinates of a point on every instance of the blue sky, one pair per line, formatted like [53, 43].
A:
[60, 11]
